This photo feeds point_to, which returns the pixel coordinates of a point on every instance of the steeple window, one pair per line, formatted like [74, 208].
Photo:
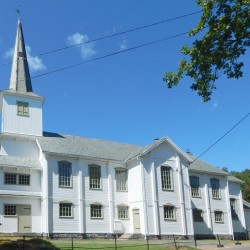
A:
[23, 108]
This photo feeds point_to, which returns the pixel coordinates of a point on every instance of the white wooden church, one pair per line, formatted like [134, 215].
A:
[61, 184]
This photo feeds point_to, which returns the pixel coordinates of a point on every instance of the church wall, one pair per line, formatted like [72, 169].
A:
[18, 147]
[135, 195]
[35, 180]
[13, 123]
[10, 223]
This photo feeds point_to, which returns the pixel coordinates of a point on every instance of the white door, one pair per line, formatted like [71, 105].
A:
[136, 219]
[24, 218]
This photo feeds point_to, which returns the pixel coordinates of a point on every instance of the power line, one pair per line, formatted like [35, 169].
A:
[109, 36]
[224, 135]
[105, 56]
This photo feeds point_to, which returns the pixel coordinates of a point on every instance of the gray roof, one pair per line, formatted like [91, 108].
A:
[10, 161]
[86, 147]
[202, 166]
[246, 204]
[232, 178]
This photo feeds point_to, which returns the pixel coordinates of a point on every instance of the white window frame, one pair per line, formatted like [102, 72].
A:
[67, 211]
[123, 212]
[22, 108]
[215, 187]
[96, 211]
[218, 216]
[167, 183]
[121, 176]
[195, 186]
[169, 212]
[197, 215]
[10, 209]
[95, 177]
[65, 174]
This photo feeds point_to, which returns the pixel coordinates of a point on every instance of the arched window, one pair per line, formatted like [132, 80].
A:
[195, 186]
[167, 178]
[121, 179]
[94, 176]
[65, 174]
[215, 185]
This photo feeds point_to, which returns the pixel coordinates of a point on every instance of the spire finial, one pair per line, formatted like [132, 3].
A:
[18, 11]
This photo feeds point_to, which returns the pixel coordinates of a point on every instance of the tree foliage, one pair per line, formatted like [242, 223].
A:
[244, 176]
[227, 36]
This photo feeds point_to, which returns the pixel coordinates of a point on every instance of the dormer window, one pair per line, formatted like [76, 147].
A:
[23, 108]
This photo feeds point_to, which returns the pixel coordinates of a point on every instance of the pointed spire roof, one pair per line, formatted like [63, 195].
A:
[20, 76]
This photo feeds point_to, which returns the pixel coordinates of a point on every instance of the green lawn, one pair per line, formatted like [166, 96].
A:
[39, 244]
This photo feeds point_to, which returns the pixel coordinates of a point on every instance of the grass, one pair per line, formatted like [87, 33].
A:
[17, 243]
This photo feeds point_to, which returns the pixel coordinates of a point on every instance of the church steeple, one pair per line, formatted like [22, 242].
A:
[20, 76]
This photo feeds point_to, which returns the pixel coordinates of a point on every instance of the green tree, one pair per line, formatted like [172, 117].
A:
[227, 36]
[244, 176]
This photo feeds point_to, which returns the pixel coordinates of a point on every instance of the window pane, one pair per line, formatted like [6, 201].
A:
[65, 210]
[169, 212]
[10, 178]
[197, 215]
[195, 186]
[123, 212]
[166, 178]
[218, 216]
[9, 210]
[215, 185]
[95, 177]
[65, 174]
[121, 179]
[96, 211]
[24, 179]
[23, 108]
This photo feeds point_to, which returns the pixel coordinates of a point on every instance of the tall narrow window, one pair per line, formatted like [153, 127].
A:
[197, 215]
[96, 211]
[123, 212]
[195, 186]
[169, 212]
[215, 185]
[218, 217]
[23, 108]
[121, 179]
[166, 178]
[233, 205]
[94, 177]
[65, 210]
[65, 174]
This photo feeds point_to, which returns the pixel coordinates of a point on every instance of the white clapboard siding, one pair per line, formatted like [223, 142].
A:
[10, 223]
[35, 180]
[13, 123]
[19, 148]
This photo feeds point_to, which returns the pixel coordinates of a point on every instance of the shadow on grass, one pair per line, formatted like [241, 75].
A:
[32, 244]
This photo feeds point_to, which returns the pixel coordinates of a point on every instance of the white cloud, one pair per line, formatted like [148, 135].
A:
[35, 63]
[87, 49]
[123, 45]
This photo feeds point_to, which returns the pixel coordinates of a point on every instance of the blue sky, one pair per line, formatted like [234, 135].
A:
[123, 98]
